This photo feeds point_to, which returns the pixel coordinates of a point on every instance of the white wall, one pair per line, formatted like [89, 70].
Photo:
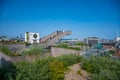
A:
[31, 38]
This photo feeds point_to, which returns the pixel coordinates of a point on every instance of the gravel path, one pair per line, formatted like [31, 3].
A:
[72, 74]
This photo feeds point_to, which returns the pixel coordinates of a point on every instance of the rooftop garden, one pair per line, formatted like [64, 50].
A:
[5, 50]
[66, 46]
[80, 44]
[34, 50]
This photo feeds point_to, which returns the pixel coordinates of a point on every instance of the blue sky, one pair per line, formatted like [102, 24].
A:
[84, 18]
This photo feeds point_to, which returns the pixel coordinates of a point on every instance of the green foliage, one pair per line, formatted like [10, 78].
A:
[32, 71]
[79, 72]
[49, 68]
[0, 46]
[38, 70]
[7, 72]
[102, 68]
[33, 51]
[64, 45]
[70, 59]
[57, 70]
[112, 52]
[80, 44]
[6, 50]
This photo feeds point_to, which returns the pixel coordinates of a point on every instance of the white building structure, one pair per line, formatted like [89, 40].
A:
[117, 38]
[92, 41]
[31, 37]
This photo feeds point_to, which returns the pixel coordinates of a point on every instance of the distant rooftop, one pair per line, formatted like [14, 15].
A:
[92, 37]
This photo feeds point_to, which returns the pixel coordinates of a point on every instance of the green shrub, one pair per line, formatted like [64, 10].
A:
[63, 45]
[7, 72]
[6, 50]
[102, 68]
[57, 70]
[50, 68]
[112, 52]
[38, 70]
[33, 51]
[80, 44]
[70, 59]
